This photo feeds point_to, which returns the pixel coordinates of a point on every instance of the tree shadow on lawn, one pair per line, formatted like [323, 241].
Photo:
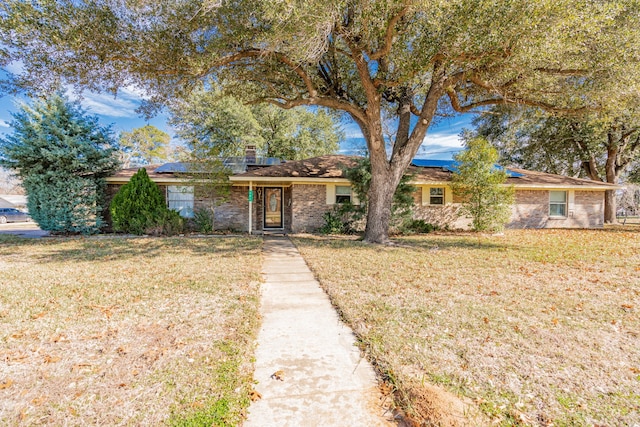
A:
[421, 243]
[100, 248]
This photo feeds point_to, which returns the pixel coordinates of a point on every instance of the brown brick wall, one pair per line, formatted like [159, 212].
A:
[304, 206]
[531, 210]
[444, 216]
[309, 203]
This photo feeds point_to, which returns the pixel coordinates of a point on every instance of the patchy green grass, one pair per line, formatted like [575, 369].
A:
[535, 327]
[110, 331]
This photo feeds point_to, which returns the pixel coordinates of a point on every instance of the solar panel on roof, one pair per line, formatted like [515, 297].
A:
[452, 166]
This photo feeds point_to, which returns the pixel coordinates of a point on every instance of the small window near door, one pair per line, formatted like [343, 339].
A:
[343, 194]
[436, 196]
[558, 203]
[180, 199]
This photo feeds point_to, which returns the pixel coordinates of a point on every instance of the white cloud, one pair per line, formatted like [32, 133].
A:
[443, 140]
[122, 105]
[4, 124]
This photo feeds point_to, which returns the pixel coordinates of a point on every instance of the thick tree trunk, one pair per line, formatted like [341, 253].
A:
[610, 207]
[611, 175]
[381, 190]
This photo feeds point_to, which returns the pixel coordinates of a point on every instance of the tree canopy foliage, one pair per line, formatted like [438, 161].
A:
[62, 157]
[371, 60]
[481, 186]
[214, 124]
[143, 146]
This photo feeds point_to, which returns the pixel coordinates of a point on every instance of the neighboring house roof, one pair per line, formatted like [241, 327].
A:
[330, 168]
[5, 203]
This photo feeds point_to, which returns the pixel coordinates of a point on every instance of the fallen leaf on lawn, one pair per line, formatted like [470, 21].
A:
[6, 384]
[554, 321]
[39, 315]
[278, 375]
[51, 359]
[122, 350]
[255, 395]
[39, 400]
[627, 306]
[635, 370]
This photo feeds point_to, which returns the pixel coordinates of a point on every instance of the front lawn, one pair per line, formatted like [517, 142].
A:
[536, 327]
[110, 331]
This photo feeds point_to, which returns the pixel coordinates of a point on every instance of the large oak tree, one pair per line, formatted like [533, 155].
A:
[399, 60]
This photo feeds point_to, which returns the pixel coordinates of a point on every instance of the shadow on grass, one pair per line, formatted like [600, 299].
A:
[419, 243]
[84, 249]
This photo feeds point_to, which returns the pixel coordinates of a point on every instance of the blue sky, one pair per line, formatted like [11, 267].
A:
[442, 140]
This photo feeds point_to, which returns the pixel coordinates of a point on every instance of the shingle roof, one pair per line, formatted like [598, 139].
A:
[331, 167]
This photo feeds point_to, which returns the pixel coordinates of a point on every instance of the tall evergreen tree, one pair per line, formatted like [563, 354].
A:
[62, 156]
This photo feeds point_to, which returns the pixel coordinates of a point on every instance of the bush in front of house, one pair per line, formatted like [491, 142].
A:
[139, 208]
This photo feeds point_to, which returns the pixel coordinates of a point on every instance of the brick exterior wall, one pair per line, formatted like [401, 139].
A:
[309, 203]
[531, 210]
[305, 204]
[232, 214]
[444, 216]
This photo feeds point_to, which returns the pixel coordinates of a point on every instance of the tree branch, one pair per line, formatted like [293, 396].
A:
[388, 38]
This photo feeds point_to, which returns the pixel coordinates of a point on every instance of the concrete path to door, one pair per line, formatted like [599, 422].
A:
[308, 369]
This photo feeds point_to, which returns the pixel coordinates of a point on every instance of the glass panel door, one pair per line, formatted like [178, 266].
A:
[272, 207]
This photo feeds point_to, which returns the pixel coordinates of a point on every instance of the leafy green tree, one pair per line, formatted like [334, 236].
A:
[481, 185]
[595, 146]
[143, 146]
[370, 60]
[214, 124]
[62, 157]
[139, 208]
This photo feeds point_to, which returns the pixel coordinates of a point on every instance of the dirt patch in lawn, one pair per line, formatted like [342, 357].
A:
[127, 331]
[535, 327]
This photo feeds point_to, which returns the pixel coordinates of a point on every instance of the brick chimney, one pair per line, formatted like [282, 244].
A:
[250, 154]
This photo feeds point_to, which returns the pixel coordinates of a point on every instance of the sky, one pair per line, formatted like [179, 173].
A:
[442, 140]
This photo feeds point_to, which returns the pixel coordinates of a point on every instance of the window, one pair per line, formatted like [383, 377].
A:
[436, 196]
[180, 199]
[343, 194]
[557, 203]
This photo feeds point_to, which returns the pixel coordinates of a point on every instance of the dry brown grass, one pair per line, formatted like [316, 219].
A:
[537, 327]
[127, 331]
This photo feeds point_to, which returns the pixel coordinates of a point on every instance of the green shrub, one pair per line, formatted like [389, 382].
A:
[417, 226]
[139, 208]
[333, 223]
[203, 220]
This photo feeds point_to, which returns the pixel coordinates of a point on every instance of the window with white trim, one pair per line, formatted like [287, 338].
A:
[343, 194]
[558, 203]
[180, 199]
[436, 196]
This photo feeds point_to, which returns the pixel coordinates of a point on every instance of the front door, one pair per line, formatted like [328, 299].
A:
[272, 207]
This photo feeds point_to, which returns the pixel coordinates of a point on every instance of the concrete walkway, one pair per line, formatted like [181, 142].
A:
[308, 369]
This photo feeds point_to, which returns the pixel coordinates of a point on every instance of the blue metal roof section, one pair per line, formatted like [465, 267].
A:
[236, 164]
[452, 166]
